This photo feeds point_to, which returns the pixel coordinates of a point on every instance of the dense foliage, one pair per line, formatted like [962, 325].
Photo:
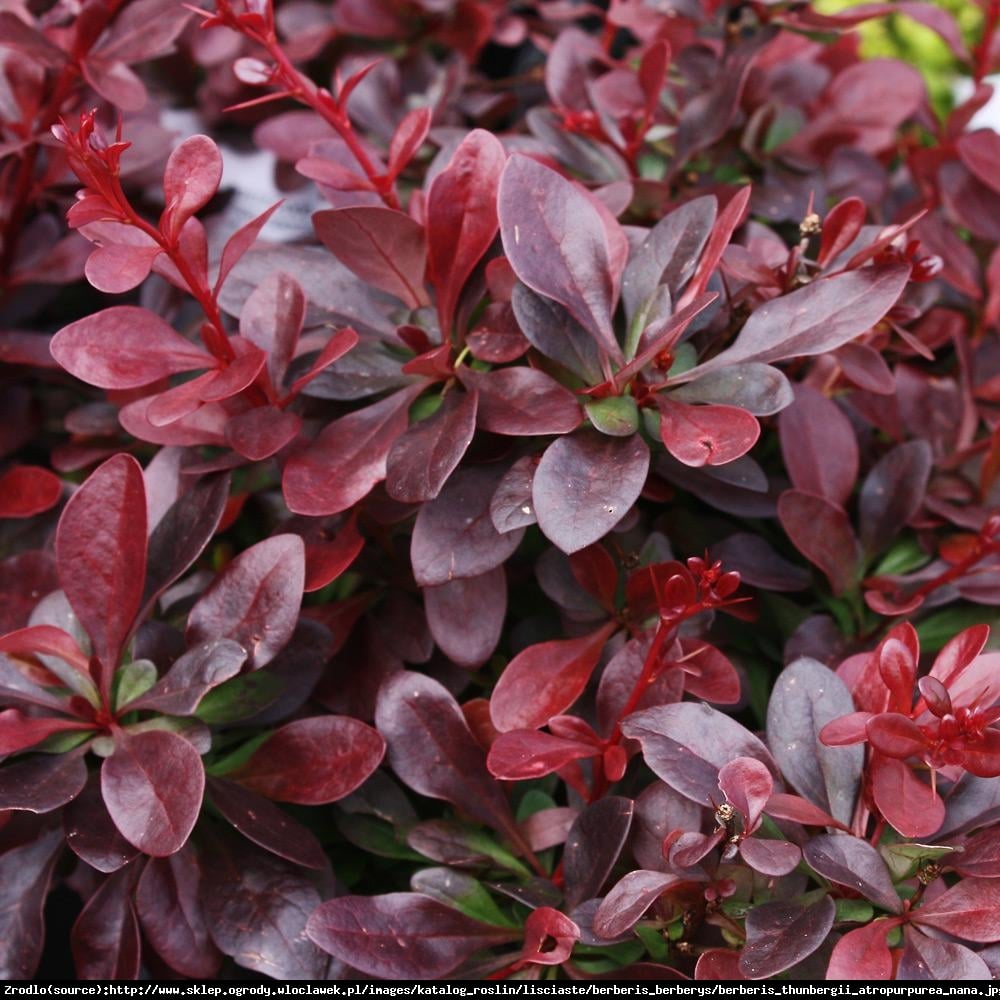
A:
[558, 539]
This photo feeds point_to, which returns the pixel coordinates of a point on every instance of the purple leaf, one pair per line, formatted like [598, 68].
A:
[256, 907]
[272, 318]
[454, 537]
[462, 217]
[818, 446]
[892, 493]
[152, 785]
[815, 319]
[125, 347]
[554, 239]
[747, 785]
[806, 696]
[25, 874]
[969, 910]
[172, 915]
[852, 862]
[545, 679]
[511, 506]
[266, 824]
[433, 752]
[313, 761]
[41, 783]
[585, 484]
[466, 616]
[191, 677]
[255, 602]
[348, 458]
[759, 389]
[686, 744]
[523, 402]
[101, 550]
[401, 935]
[770, 857]
[594, 844]
[928, 958]
[422, 459]
[91, 833]
[628, 900]
[822, 532]
[105, 939]
[382, 246]
[780, 935]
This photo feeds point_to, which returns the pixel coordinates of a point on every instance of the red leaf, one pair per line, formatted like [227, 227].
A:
[326, 560]
[549, 937]
[729, 219]
[348, 458]
[407, 139]
[152, 785]
[190, 181]
[523, 754]
[466, 616]
[628, 900]
[401, 935]
[585, 484]
[970, 910]
[46, 640]
[980, 152]
[822, 532]
[262, 432]
[26, 490]
[896, 736]
[706, 435]
[382, 246]
[125, 347]
[903, 799]
[19, 731]
[523, 402]
[863, 953]
[120, 267]
[272, 318]
[255, 601]
[545, 679]
[840, 228]
[422, 459]
[313, 761]
[101, 551]
[462, 218]
[747, 785]
[241, 241]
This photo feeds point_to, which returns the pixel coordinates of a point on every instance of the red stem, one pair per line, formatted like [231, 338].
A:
[983, 49]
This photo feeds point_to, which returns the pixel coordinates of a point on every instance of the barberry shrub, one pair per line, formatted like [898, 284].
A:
[569, 554]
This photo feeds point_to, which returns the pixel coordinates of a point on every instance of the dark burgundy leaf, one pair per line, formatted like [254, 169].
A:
[770, 857]
[555, 333]
[806, 697]
[91, 833]
[454, 537]
[401, 935]
[348, 458]
[100, 547]
[26, 490]
[381, 246]
[757, 388]
[718, 964]
[256, 908]
[327, 558]
[313, 761]
[686, 744]
[462, 217]
[892, 493]
[511, 506]
[523, 402]
[172, 915]
[555, 240]
[191, 677]
[822, 532]
[852, 862]
[522, 754]
[628, 900]
[432, 750]
[815, 319]
[25, 873]
[422, 459]
[747, 785]
[863, 953]
[549, 937]
[266, 824]
[593, 846]
[152, 785]
[585, 484]
[706, 435]
[930, 959]
[41, 783]
[780, 935]
[466, 616]
[545, 679]
[818, 446]
[182, 533]
[105, 940]
[255, 602]
[125, 347]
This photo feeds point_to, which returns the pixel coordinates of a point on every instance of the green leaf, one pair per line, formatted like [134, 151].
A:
[903, 860]
[239, 698]
[374, 836]
[652, 938]
[463, 892]
[533, 801]
[617, 416]
[854, 911]
[935, 630]
[239, 756]
[904, 556]
[132, 680]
